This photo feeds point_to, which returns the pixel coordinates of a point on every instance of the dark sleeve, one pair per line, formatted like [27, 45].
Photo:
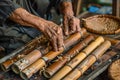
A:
[6, 8]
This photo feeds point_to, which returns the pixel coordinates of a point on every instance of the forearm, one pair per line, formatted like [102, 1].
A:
[24, 18]
[66, 8]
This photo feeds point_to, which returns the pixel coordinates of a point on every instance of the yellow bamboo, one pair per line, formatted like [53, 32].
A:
[82, 67]
[28, 72]
[77, 59]
[26, 61]
[50, 70]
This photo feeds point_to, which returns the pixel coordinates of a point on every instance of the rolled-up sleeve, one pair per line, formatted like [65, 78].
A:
[6, 8]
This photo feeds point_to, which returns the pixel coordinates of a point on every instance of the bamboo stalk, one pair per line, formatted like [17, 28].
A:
[29, 71]
[112, 40]
[82, 67]
[67, 57]
[8, 60]
[26, 61]
[77, 59]
[106, 60]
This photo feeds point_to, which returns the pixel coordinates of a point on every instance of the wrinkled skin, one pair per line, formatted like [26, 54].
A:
[71, 24]
[54, 34]
[50, 29]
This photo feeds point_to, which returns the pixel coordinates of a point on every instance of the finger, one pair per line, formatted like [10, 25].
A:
[60, 40]
[72, 25]
[53, 30]
[48, 33]
[78, 28]
[65, 24]
[54, 43]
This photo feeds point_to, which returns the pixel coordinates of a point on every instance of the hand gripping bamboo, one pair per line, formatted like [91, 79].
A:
[8, 60]
[77, 59]
[82, 67]
[29, 71]
[67, 57]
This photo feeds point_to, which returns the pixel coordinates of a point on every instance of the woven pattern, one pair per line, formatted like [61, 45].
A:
[102, 24]
[114, 70]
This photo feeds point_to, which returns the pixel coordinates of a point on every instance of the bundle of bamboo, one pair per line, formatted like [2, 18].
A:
[40, 63]
[33, 59]
[67, 57]
[10, 59]
[77, 59]
[82, 67]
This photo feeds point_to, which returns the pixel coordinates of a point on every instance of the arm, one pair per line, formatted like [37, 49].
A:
[8, 10]
[71, 23]
[50, 29]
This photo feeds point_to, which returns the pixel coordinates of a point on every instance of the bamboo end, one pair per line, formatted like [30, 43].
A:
[46, 74]
[15, 69]
[3, 67]
[23, 76]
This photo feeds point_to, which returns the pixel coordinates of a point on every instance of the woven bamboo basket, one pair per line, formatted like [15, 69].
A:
[114, 70]
[102, 24]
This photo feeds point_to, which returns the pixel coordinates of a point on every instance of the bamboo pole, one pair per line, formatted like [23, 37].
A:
[67, 57]
[8, 60]
[106, 60]
[112, 40]
[29, 71]
[77, 59]
[82, 67]
[26, 61]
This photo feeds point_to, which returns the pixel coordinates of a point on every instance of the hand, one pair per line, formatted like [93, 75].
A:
[71, 24]
[50, 29]
[54, 34]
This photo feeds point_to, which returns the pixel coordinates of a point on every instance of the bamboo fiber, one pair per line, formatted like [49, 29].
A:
[67, 57]
[82, 67]
[26, 61]
[29, 71]
[77, 59]
[7, 61]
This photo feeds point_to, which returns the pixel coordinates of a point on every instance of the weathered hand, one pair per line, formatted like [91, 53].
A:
[71, 24]
[54, 34]
[50, 29]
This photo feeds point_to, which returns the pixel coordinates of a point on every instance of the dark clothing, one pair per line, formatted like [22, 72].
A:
[32, 6]
[36, 7]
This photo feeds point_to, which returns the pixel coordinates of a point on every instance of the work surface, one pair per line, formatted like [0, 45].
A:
[12, 76]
